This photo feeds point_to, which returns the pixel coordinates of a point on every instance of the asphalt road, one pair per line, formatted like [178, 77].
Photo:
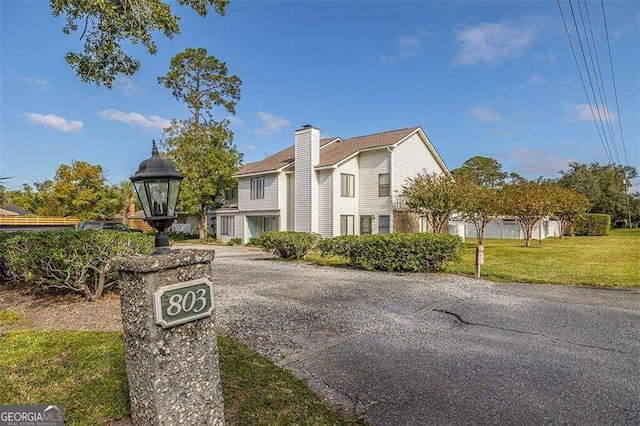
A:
[422, 349]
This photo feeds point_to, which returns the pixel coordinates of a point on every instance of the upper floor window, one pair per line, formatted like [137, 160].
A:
[347, 185]
[383, 185]
[257, 188]
[231, 195]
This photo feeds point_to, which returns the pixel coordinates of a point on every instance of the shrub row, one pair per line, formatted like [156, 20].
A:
[591, 224]
[396, 252]
[286, 244]
[77, 261]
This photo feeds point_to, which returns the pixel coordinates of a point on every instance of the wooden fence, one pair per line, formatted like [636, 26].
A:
[38, 221]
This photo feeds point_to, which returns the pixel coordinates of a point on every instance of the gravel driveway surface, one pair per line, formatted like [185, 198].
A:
[421, 349]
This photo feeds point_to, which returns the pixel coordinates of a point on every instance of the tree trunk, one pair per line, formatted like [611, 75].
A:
[202, 226]
[528, 230]
[563, 225]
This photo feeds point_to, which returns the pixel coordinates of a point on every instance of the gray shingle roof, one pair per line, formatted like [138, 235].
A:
[329, 155]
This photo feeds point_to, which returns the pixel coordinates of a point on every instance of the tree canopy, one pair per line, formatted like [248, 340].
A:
[435, 196]
[200, 147]
[106, 25]
[604, 185]
[483, 171]
[201, 82]
[78, 189]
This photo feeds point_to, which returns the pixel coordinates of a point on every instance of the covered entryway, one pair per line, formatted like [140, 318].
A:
[263, 223]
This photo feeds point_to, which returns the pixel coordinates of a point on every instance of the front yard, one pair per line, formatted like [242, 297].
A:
[611, 261]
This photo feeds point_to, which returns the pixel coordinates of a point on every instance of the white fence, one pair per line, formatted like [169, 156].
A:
[506, 228]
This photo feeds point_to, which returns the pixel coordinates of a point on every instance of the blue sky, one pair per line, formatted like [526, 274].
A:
[481, 78]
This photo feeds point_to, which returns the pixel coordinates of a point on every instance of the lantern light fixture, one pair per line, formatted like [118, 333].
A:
[157, 183]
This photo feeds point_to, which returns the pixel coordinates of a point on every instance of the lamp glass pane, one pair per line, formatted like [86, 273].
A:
[158, 191]
[174, 189]
[142, 196]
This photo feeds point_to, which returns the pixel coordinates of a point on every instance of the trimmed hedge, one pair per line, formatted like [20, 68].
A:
[591, 224]
[76, 261]
[286, 244]
[396, 252]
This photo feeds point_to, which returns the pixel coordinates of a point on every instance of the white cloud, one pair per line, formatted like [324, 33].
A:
[36, 80]
[486, 114]
[126, 86]
[55, 121]
[408, 46]
[387, 59]
[491, 43]
[536, 161]
[582, 112]
[135, 119]
[534, 80]
[236, 121]
[271, 123]
[548, 58]
[251, 147]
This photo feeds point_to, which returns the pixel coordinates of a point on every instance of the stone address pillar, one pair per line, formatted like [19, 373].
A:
[173, 372]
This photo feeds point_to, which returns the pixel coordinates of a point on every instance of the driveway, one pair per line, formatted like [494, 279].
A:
[419, 349]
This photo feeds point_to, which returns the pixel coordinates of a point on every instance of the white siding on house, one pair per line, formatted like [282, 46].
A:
[325, 203]
[410, 158]
[282, 201]
[307, 156]
[270, 200]
[348, 205]
[372, 164]
[291, 202]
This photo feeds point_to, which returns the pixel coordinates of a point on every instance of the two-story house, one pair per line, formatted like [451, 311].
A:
[327, 186]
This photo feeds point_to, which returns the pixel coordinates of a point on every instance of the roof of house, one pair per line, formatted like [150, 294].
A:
[330, 153]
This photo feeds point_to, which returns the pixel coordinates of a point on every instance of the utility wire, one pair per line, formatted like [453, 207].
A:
[584, 87]
[599, 80]
[586, 65]
[613, 78]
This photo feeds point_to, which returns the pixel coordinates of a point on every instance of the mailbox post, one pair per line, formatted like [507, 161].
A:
[479, 259]
[171, 349]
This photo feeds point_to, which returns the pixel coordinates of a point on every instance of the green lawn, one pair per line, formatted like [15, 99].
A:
[608, 261]
[85, 372]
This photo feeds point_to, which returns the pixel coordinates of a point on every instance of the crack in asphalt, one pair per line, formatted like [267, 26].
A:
[531, 333]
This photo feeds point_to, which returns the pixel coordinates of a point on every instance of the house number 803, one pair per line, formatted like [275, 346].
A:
[183, 302]
[187, 303]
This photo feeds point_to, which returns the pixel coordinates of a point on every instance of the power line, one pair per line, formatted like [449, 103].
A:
[599, 80]
[613, 78]
[584, 87]
[586, 65]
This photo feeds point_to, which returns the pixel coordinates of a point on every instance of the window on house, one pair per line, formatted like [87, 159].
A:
[257, 188]
[231, 195]
[383, 224]
[227, 225]
[266, 223]
[365, 225]
[348, 185]
[346, 225]
[383, 185]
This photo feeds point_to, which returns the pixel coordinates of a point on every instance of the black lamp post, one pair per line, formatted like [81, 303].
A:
[157, 183]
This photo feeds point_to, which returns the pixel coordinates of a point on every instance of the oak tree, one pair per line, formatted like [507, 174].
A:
[108, 24]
